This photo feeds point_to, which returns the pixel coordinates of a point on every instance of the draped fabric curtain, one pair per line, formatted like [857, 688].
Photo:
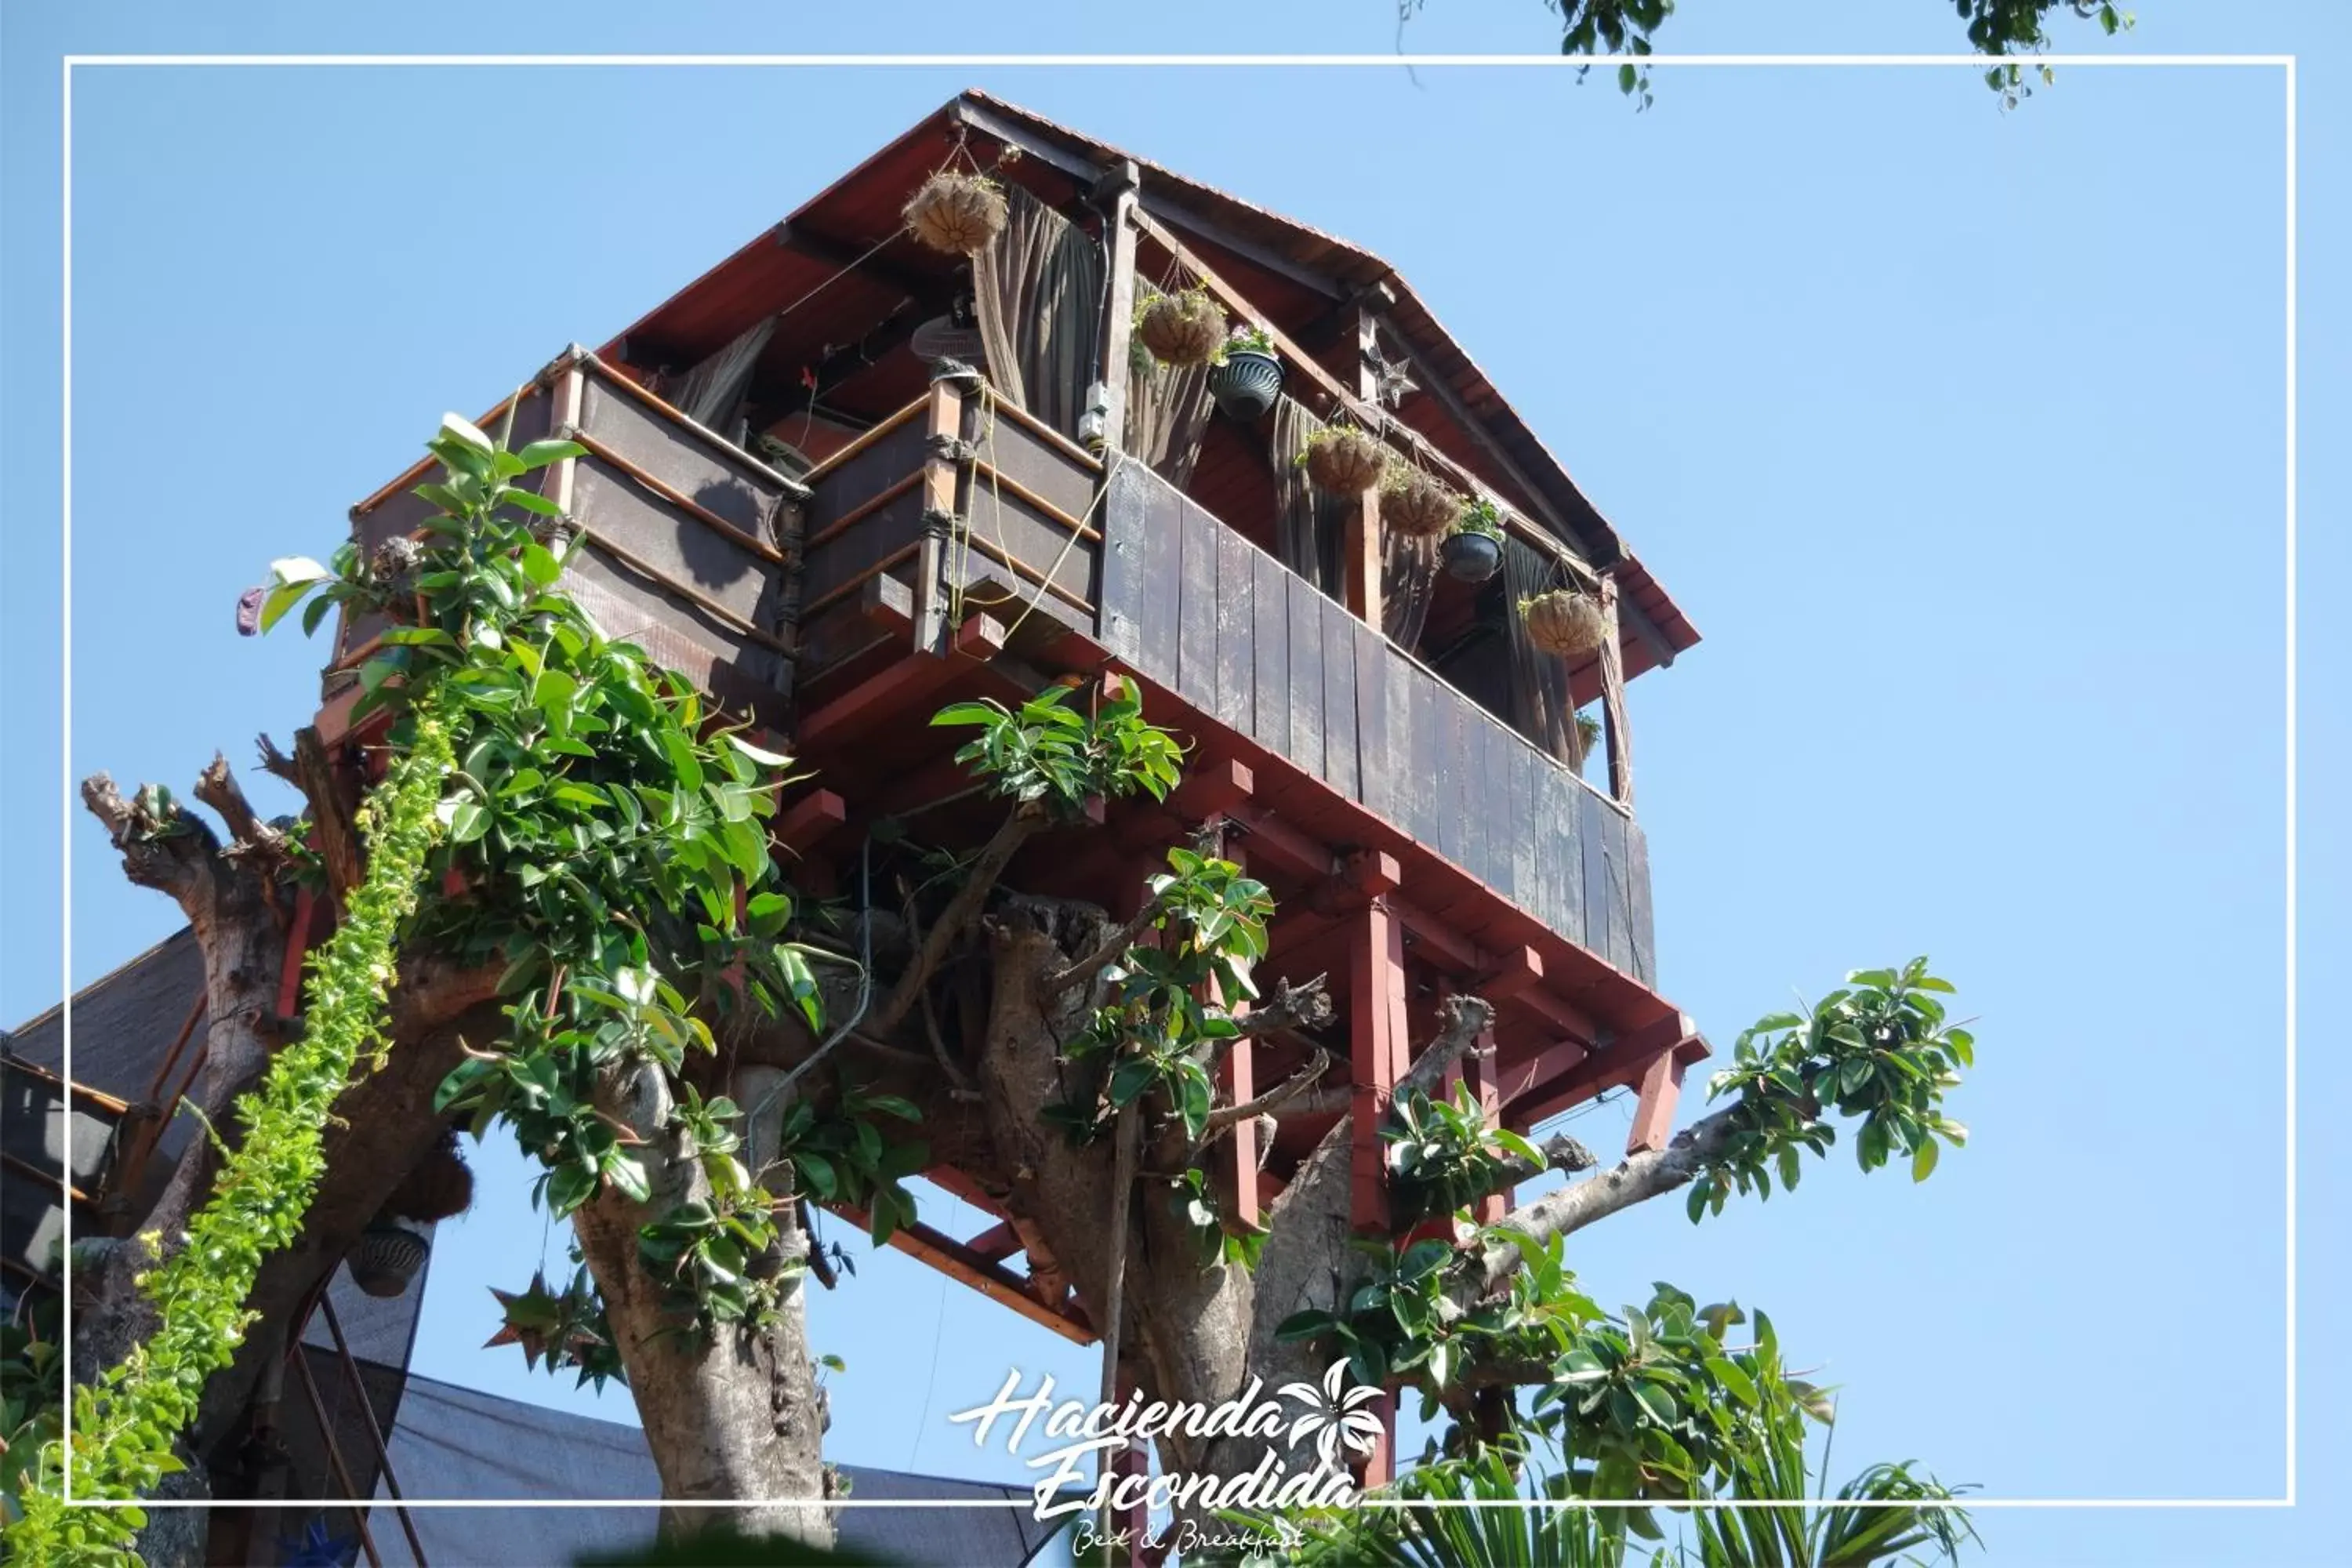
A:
[1407, 583]
[1037, 288]
[1167, 409]
[712, 391]
[1541, 707]
[1308, 524]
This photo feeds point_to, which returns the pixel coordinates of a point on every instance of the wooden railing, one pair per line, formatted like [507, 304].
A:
[1193, 606]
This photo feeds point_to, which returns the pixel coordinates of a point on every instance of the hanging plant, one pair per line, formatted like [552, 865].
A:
[1473, 550]
[1246, 377]
[1583, 736]
[1186, 328]
[1563, 622]
[441, 1188]
[1417, 504]
[956, 213]
[1342, 460]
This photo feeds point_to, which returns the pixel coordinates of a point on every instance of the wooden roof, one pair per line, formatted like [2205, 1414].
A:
[1299, 277]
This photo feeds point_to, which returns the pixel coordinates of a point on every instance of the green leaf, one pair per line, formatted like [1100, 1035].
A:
[1923, 1158]
[464, 431]
[467, 821]
[1131, 1077]
[539, 454]
[529, 501]
[540, 564]
[817, 1172]
[758, 754]
[282, 598]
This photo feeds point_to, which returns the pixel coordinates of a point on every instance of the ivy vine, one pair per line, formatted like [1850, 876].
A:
[124, 1425]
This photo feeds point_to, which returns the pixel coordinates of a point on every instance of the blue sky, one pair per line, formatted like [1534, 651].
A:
[1960, 435]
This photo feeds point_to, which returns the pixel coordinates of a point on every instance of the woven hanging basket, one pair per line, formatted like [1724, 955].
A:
[441, 1188]
[1416, 504]
[1344, 460]
[1563, 622]
[1184, 329]
[957, 214]
[386, 1259]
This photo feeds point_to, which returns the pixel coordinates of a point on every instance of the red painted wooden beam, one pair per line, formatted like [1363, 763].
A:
[810, 820]
[889, 693]
[1378, 1044]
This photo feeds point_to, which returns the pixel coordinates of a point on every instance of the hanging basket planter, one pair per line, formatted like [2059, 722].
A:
[441, 1188]
[957, 214]
[1474, 549]
[1182, 329]
[386, 1259]
[1563, 622]
[1343, 460]
[1417, 504]
[1248, 376]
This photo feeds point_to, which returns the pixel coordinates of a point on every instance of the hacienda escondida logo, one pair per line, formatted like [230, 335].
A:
[1309, 1430]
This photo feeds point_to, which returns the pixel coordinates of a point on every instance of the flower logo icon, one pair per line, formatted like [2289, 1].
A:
[1333, 1416]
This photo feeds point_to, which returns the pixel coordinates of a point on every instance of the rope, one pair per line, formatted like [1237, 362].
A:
[961, 544]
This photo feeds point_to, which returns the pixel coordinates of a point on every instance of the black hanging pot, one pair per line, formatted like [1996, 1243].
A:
[386, 1259]
[1246, 382]
[1473, 557]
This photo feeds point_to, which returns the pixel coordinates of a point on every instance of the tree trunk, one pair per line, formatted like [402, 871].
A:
[735, 1413]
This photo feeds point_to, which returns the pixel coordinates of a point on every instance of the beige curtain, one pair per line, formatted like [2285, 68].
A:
[1540, 706]
[1038, 289]
[1308, 524]
[1167, 408]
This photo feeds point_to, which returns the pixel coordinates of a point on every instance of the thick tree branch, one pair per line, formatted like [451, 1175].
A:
[1109, 950]
[961, 911]
[1265, 1104]
[218, 787]
[1306, 1005]
[1467, 1018]
[1561, 1152]
[169, 849]
[333, 834]
[1640, 1177]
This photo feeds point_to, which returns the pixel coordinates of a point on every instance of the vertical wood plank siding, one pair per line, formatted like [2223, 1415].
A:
[1196, 607]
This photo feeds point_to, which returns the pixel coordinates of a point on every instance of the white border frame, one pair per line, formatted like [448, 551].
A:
[1472, 61]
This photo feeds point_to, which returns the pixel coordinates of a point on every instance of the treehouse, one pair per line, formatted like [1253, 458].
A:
[846, 478]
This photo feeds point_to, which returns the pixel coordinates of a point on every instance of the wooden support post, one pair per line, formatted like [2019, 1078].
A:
[1377, 1047]
[1116, 191]
[1478, 1069]
[943, 430]
[1654, 1113]
[1238, 1078]
[1613, 699]
[1379, 1466]
[1363, 556]
[563, 414]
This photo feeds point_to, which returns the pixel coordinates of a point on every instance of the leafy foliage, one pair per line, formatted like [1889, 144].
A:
[1479, 516]
[1997, 27]
[1442, 1155]
[1048, 753]
[31, 1393]
[1880, 1051]
[124, 1425]
[567, 1329]
[1247, 339]
[608, 829]
[1164, 1017]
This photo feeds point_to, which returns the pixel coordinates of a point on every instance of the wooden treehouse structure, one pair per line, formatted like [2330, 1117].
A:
[843, 479]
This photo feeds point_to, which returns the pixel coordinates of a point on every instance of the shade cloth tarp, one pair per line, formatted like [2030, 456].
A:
[454, 1442]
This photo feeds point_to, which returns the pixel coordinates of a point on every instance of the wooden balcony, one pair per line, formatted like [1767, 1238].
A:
[1190, 604]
